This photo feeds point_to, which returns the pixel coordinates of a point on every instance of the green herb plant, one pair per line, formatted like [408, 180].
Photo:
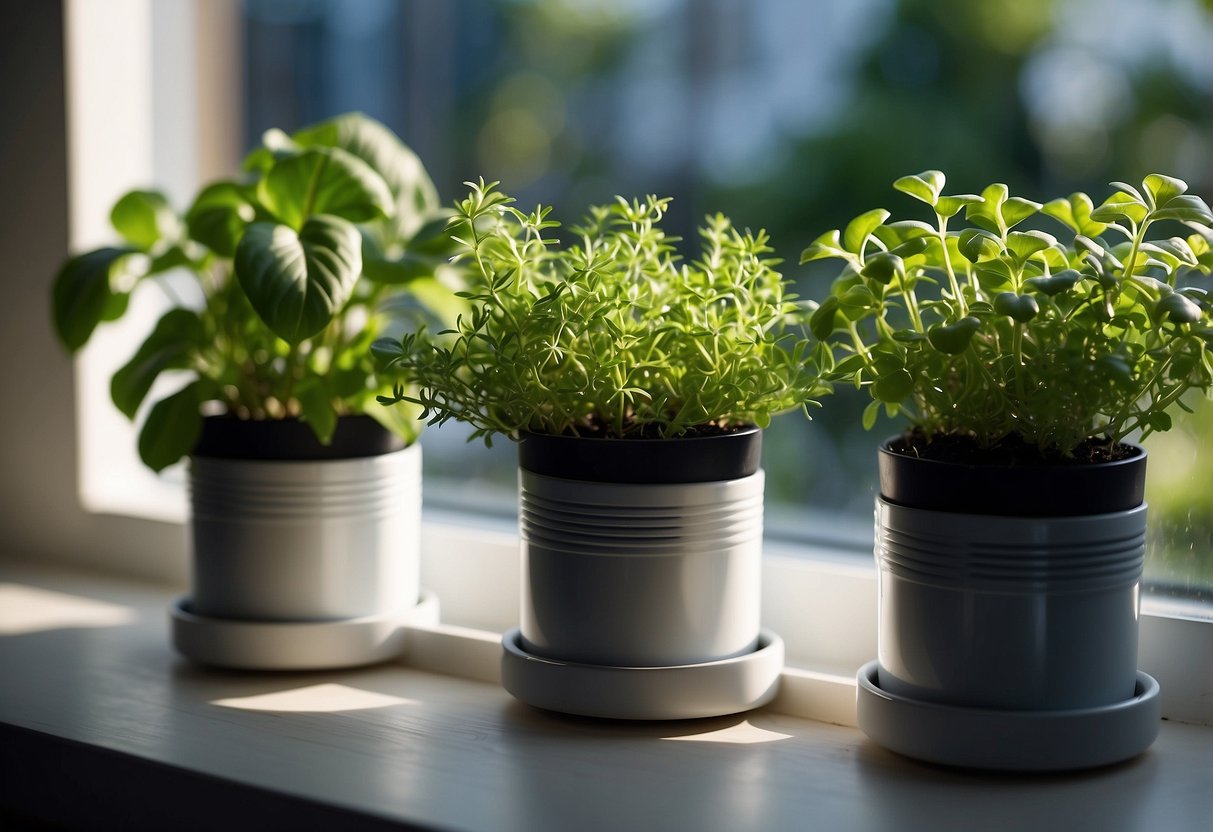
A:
[611, 336]
[297, 266]
[1002, 336]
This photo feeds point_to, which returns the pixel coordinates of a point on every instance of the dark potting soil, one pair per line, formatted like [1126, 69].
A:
[1010, 451]
[596, 429]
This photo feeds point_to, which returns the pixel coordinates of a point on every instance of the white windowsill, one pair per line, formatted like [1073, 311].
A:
[94, 696]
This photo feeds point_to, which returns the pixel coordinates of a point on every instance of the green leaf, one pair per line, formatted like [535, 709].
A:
[858, 230]
[1017, 209]
[218, 217]
[386, 352]
[857, 303]
[1159, 421]
[177, 335]
[821, 324]
[298, 282]
[883, 267]
[1023, 244]
[893, 387]
[1186, 208]
[1021, 308]
[925, 186]
[953, 339]
[173, 425]
[1162, 189]
[1177, 308]
[316, 408]
[827, 245]
[1055, 284]
[978, 246]
[83, 293]
[324, 181]
[950, 206]
[414, 194]
[144, 218]
[987, 214]
[870, 413]
[1121, 205]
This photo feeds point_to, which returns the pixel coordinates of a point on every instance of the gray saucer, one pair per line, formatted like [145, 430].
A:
[1009, 740]
[689, 691]
[295, 645]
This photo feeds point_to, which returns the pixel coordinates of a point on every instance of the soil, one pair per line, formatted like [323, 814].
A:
[1011, 450]
[600, 430]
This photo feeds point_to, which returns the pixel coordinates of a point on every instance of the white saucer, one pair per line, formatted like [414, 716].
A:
[689, 691]
[1009, 740]
[295, 645]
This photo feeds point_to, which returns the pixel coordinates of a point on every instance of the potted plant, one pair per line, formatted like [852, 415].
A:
[1010, 519]
[304, 493]
[636, 386]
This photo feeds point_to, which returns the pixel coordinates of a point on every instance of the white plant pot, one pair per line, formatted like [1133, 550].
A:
[640, 592]
[302, 563]
[640, 575]
[305, 541]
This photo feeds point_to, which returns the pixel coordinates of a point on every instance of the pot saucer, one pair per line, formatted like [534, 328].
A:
[295, 645]
[688, 691]
[1002, 740]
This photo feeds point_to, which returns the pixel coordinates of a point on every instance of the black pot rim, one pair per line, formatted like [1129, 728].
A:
[1012, 490]
[292, 440]
[722, 457]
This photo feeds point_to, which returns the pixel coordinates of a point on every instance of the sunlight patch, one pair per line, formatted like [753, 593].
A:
[314, 699]
[743, 733]
[27, 609]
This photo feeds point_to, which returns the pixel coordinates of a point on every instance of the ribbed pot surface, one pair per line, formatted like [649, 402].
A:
[1009, 612]
[305, 541]
[640, 575]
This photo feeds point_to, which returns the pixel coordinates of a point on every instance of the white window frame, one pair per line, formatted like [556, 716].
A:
[822, 601]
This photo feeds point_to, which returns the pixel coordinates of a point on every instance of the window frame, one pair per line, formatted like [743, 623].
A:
[820, 597]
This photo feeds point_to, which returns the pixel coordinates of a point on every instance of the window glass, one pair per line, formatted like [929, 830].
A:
[786, 115]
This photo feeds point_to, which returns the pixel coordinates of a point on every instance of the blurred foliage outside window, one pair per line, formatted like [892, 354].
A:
[788, 115]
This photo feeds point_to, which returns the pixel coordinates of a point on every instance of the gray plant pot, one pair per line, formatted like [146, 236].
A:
[1008, 612]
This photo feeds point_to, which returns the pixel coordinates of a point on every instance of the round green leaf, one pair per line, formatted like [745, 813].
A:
[1022, 308]
[173, 426]
[177, 334]
[954, 338]
[298, 282]
[977, 245]
[143, 218]
[1062, 281]
[218, 217]
[925, 186]
[893, 387]
[855, 237]
[82, 295]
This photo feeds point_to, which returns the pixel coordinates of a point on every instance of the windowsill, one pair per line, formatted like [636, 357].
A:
[95, 705]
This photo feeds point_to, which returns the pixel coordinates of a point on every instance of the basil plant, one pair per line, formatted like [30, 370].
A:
[1064, 327]
[322, 246]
